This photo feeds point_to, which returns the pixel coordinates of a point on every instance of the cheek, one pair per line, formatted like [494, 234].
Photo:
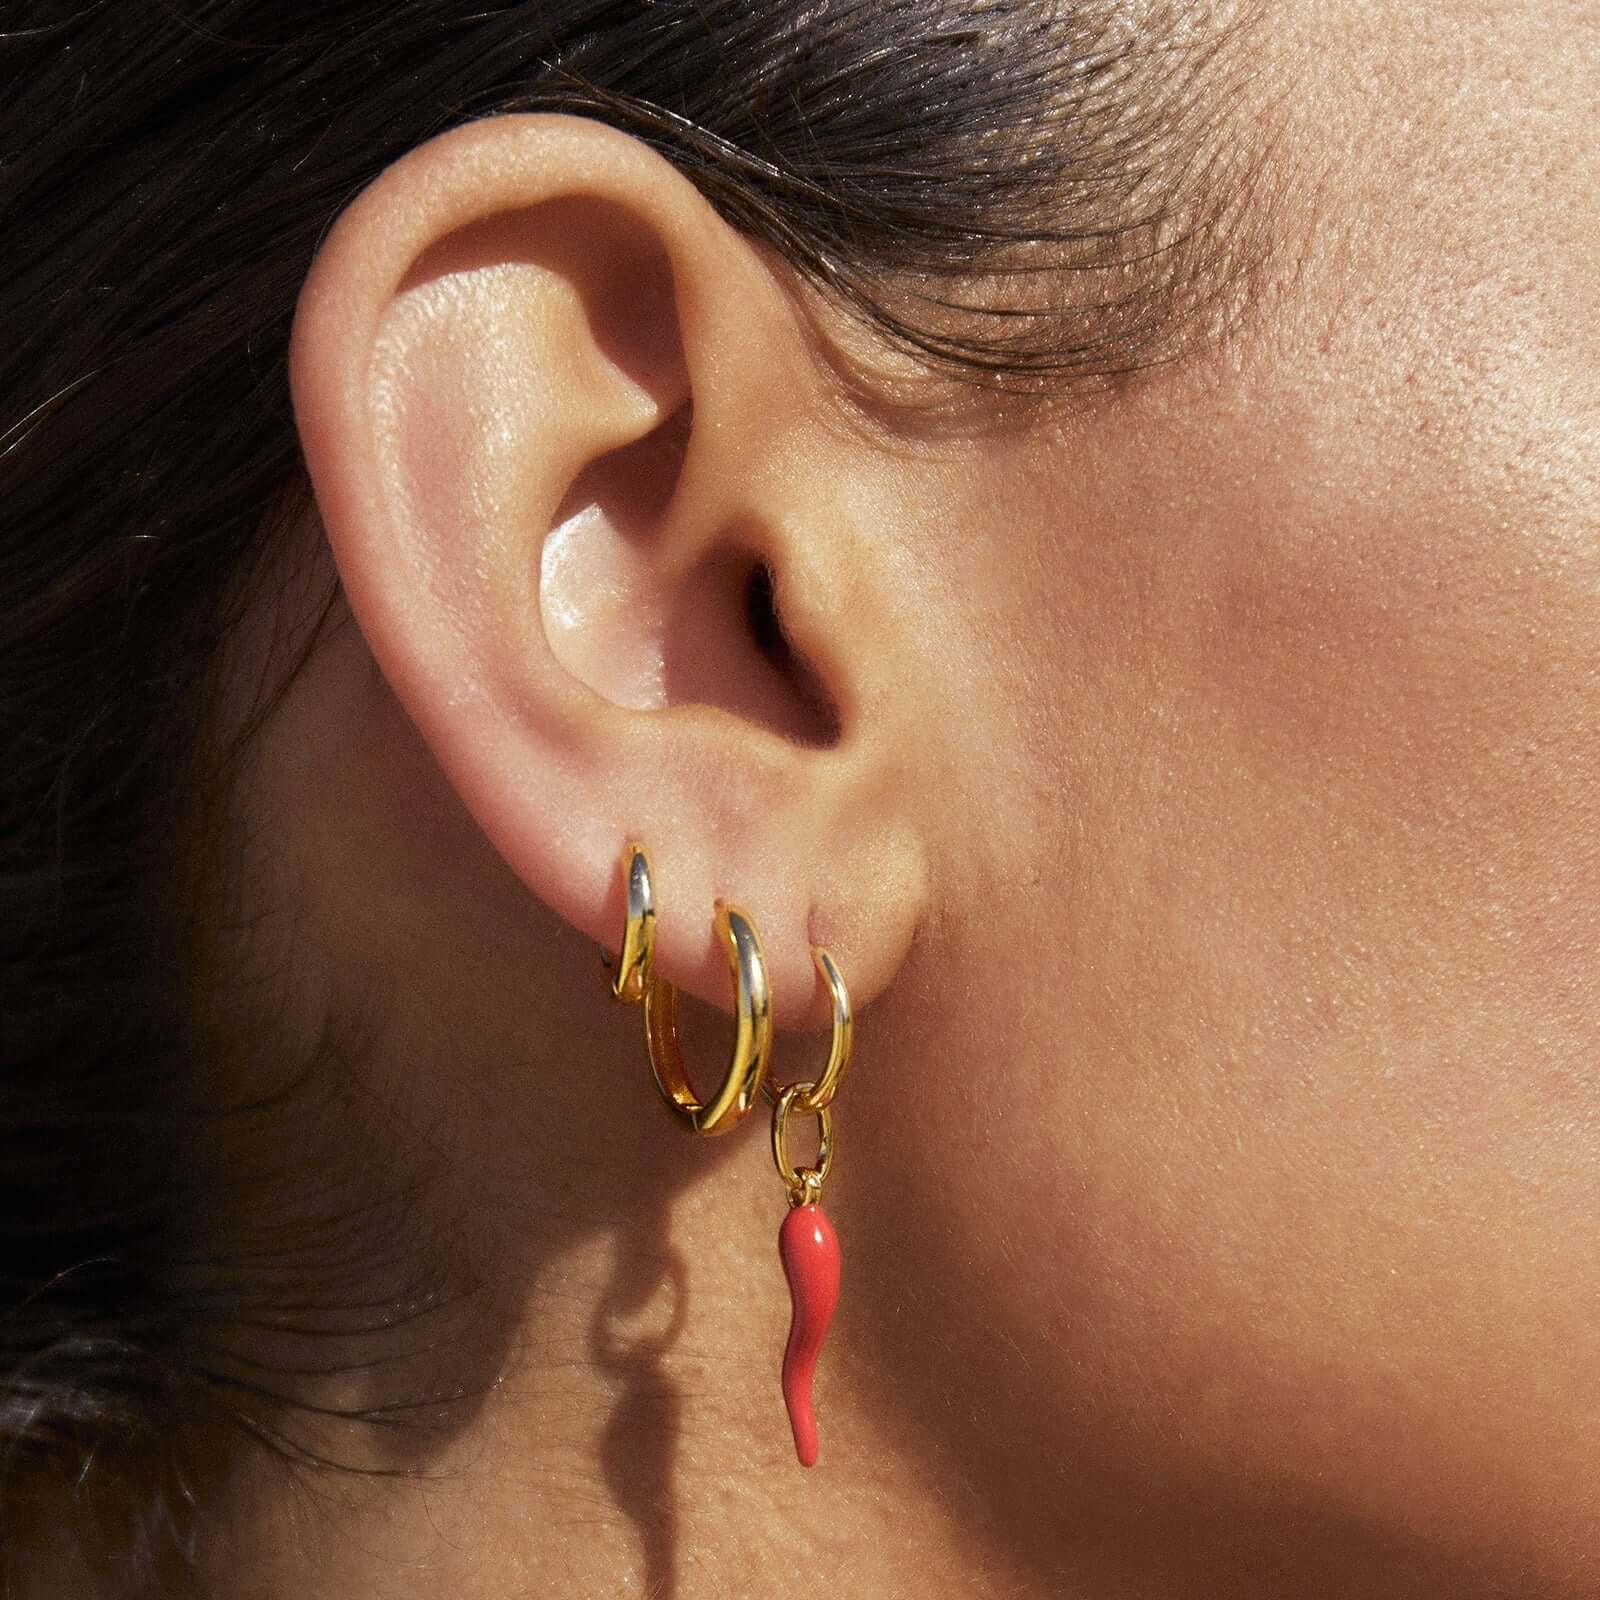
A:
[1257, 1058]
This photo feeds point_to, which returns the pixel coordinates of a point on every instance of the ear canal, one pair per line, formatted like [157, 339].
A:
[723, 644]
[644, 634]
[816, 717]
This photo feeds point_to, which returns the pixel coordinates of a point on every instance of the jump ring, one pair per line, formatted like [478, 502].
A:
[807, 1180]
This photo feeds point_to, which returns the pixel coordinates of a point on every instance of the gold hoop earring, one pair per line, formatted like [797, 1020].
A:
[815, 1098]
[752, 1040]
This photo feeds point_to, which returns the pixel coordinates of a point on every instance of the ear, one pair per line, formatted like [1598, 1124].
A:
[569, 439]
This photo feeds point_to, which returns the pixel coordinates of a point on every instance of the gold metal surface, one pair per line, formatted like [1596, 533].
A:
[803, 1183]
[820, 1094]
[752, 1044]
[639, 937]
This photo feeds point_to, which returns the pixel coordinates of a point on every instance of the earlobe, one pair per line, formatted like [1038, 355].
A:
[558, 416]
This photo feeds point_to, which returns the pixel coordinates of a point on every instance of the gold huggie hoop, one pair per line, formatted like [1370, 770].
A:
[639, 937]
[752, 1045]
[814, 1098]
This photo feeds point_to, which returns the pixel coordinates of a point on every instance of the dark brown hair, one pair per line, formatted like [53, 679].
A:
[166, 171]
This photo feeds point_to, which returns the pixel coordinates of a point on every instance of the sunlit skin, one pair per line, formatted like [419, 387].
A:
[1212, 843]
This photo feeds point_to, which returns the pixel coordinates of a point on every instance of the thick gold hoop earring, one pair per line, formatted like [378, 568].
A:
[752, 1042]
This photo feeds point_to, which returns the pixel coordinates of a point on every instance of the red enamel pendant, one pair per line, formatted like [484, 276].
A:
[809, 1250]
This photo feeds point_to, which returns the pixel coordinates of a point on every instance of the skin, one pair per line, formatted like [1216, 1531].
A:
[1212, 843]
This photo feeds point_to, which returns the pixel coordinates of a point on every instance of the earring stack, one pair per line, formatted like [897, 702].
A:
[807, 1244]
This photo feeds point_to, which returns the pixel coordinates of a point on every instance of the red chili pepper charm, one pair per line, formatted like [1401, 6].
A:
[809, 1250]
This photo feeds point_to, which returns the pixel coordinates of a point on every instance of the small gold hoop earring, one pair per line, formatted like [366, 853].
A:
[815, 1098]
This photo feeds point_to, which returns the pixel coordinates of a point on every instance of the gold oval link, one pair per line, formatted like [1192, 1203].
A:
[805, 1181]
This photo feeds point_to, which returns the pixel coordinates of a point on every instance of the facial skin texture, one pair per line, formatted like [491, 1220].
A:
[1211, 836]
